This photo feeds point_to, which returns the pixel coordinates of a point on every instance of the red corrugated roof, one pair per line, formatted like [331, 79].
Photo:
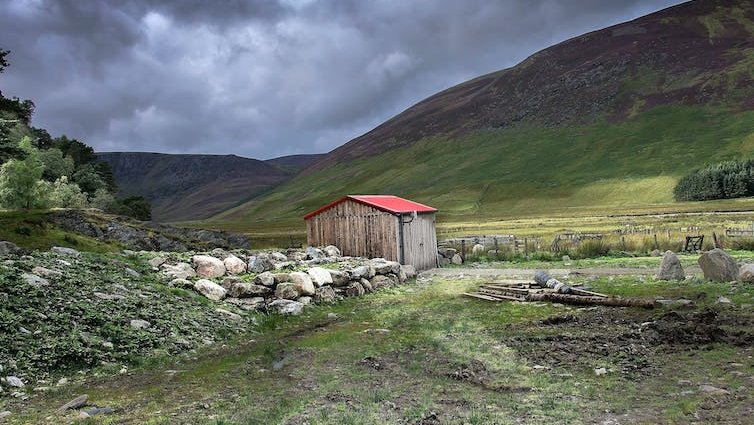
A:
[388, 203]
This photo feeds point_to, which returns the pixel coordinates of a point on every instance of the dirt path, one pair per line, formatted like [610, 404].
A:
[474, 273]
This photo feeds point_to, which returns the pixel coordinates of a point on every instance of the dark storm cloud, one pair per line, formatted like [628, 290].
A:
[264, 78]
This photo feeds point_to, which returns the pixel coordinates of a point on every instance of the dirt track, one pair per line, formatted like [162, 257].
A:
[470, 273]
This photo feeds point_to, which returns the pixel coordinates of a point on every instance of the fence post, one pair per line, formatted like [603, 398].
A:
[497, 248]
[526, 247]
[657, 245]
[463, 250]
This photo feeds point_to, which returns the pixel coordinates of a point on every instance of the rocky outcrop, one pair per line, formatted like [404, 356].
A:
[718, 266]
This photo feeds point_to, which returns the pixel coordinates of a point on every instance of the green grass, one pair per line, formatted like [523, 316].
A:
[525, 171]
[328, 373]
[33, 230]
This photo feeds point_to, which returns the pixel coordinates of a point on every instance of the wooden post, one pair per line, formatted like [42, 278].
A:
[526, 247]
[657, 245]
[497, 248]
[623, 242]
[715, 242]
[463, 250]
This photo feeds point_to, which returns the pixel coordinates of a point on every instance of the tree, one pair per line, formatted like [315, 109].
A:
[20, 180]
[56, 165]
[67, 195]
[3, 61]
[137, 207]
[103, 200]
[88, 179]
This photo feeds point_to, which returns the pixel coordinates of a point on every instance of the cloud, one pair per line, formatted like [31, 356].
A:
[264, 78]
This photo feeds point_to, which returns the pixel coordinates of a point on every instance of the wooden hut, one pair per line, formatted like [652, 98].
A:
[377, 226]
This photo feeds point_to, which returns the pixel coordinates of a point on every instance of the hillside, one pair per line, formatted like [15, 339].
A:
[605, 121]
[183, 187]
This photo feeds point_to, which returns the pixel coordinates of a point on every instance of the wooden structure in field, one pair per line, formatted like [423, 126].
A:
[377, 226]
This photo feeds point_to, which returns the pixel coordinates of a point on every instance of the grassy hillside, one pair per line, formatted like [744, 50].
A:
[526, 171]
[604, 123]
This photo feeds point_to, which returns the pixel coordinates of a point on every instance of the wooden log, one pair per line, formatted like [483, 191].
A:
[480, 296]
[582, 300]
[579, 291]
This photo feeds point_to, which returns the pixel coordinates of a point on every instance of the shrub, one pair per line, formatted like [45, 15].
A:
[745, 244]
[591, 248]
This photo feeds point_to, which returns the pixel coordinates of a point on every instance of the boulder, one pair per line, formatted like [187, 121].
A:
[380, 281]
[210, 289]
[296, 256]
[477, 249]
[140, 324]
[746, 273]
[339, 278]
[402, 275]
[220, 253]
[278, 257]
[446, 252]
[281, 277]
[77, 402]
[717, 265]
[383, 266]
[305, 300]
[320, 276]
[655, 253]
[247, 290]
[8, 248]
[394, 279]
[265, 279]
[260, 263]
[254, 303]
[313, 253]
[234, 265]
[324, 294]
[208, 267]
[157, 261]
[178, 271]
[289, 307]
[232, 316]
[229, 281]
[331, 251]
[13, 381]
[354, 289]
[456, 259]
[366, 285]
[65, 251]
[181, 283]
[365, 271]
[286, 290]
[670, 267]
[442, 261]
[409, 270]
[303, 283]
[34, 280]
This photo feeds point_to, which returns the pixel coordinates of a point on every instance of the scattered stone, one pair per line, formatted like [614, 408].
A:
[355, 290]
[65, 251]
[402, 275]
[108, 345]
[331, 251]
[14, 381]
[232, 316]
[140, 324]
[132, 272]
[324, 294]
[477, 249]
[303, 283]
[456, 259]
[108, 297]
[255, 303]
[366, 285]
[281, 277]
[409, 270]
[179, 271]
[207, 266]
[286, 290]
[723, 300]
[265, 279]
[745, 273]
[88, 413]
[210, 289]
[156, 262]
[718, 266]
[383, 266]
[220, 253]
[128, 253]
[380, 281]
[4, 414]
[276, 256]
[77, 402]
[234, 265]
[320, 276]
[670, 267]
[181, 283]
[305, 300]
[712, 390]
[332, 315]
[247, 290]
[442, 261]
[7, 247]
[62, 382]
[289, 307]
[566, 259]
[313, 253]
[600, 371]
[655, 253]
[34, 280]
[45, 272]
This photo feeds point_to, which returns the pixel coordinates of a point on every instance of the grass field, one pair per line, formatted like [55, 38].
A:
[423, 354]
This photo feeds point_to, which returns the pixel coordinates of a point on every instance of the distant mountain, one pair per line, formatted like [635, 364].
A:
[296, 163]
[606, 121]
[188, 187]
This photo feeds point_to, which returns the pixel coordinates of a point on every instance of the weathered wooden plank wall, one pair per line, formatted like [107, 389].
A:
[357, 229]
[420, 241]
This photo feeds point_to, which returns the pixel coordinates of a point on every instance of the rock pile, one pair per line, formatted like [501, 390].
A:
[282, 282]
[447, 256]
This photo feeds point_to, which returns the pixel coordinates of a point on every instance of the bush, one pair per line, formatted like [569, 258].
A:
[745, 244]
[592, 248]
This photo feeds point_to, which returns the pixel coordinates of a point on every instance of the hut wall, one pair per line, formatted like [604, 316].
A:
[357, 229]
[420, 241]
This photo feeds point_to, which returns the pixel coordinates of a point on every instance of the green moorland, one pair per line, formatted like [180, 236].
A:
[599, 169]
[422, 353]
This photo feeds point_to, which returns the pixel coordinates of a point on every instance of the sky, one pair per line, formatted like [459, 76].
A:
[264, 78]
